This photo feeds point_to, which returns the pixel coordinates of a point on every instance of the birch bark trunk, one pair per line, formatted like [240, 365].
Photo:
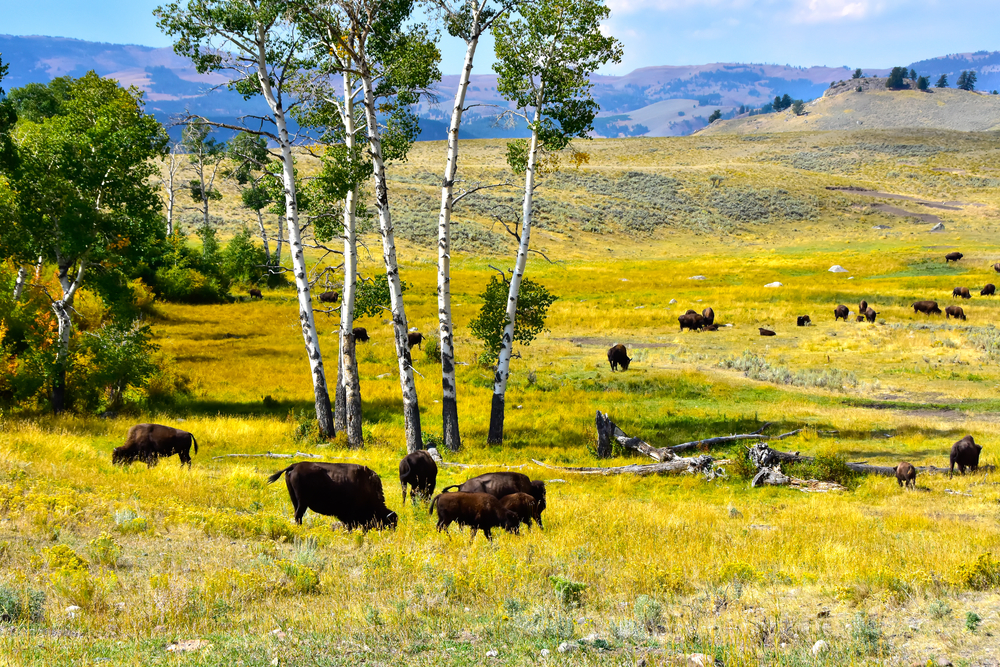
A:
[22, 276]
[411, 409]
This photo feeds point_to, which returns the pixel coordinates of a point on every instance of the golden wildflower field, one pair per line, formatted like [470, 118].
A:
[629, 570]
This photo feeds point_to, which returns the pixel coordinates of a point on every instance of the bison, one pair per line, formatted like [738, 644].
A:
[709, 316]
[150, 442]
[965, 454]
[524, 507]
[419, 471]
[870, 314]
[710, 327]
[926, 307]
[691, 320]
[860, 318]
[500, 484]
[961, 292]
[329, 297]
[478, 511]
[988, 290]
[953, 257]
[766, 332]
[350, 492]
[841, 311]
[996, 267]
[360, 334]
[414, 338]
[906, 474]
[954, 311]
[255, 293]
[618, 356]
[803, 320]
[863, 306]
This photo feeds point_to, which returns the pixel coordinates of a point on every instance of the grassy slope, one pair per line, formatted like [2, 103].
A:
[739, 572]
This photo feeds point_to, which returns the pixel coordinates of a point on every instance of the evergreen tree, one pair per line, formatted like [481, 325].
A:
[942, 82]
[967, 80]
[913, 75]
[896, 78]
[858, 74]
[923, 83]
[716, 115]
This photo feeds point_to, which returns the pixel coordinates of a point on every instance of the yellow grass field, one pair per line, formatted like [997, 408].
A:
[666, 566]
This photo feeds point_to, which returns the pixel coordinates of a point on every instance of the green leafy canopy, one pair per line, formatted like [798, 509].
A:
[533, 303]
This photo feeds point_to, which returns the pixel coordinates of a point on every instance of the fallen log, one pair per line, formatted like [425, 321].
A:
[864, 468]
[677, 466]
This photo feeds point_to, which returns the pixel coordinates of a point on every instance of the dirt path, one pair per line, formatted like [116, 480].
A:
[864, 192]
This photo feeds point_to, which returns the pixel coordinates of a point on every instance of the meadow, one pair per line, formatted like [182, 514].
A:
[629, 570]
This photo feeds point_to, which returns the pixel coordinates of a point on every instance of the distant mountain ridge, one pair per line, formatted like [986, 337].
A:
[651, 101]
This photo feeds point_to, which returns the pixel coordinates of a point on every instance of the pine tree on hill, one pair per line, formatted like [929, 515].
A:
[967, 80]
[896, 78]
[942, 82]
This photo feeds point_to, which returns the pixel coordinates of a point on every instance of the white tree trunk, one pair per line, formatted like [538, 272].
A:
[22, 276]
[324, 412]
[171, 191]
[495, 435]
[280, 242]
[411, 410]
[263, 236]
[450, 434]
[61, 308]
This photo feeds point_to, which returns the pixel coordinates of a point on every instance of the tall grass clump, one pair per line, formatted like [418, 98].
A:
[756, 367]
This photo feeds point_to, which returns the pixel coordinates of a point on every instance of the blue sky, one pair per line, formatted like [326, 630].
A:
[866, 33]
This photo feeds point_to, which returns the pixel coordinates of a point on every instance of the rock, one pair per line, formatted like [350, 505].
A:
[700, 660]
[939, 227]
[556, 481]
[188, 645]
[735, 513]
[567, 647]
[73, 611]
[697, 278]
[774, 284]
[942, 662]
[492, 653]
[881, 227]
[819, 648]
[545, 652]
[673, 301]
[837, 268]
[435, 454]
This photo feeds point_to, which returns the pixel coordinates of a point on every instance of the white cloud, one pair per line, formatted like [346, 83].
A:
[633, 6]
[824, 11]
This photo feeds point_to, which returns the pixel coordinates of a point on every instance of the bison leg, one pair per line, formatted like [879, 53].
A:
[185, 457]
[403, 484]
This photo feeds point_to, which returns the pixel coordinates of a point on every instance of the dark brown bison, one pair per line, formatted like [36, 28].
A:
[953, 257]
[863, 306]
[150, 442]
[988, 290]
[256, 293]
[478, 511]
[965, 454]
[906, 474]
[803, 320]
[419, 471]
[709, 316]
[860, 318]
[841, 311]
[691, 320]
[766, 332]
[962, 292]
[870, 314]
[350, 492]
[710, 327]
[954, 311]
[414, 338]
[926, 307]
[500, 484]
[360, 334]
[618, 356]
[329, 297]
[996, 267]
[524, 507]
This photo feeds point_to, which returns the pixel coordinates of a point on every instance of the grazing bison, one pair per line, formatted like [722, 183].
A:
[953, 257]
[841, 311]
[709, 316]
[926, 307]
[863, 306]
[691, 320]
[988, 290]
[710, 327]
[360, 334]
[996, 267]
[256, 293]
[150, 442]
[618, 355]
[906, 474]
[803, 320]
[870, 314]
[329, 297]
[414, 338]
[962, 292]
[419, 471]
[350, 492]
[500, 484]
[478, 511]
[524, 507]
[766, 332]
[965, 454]
[954, 311]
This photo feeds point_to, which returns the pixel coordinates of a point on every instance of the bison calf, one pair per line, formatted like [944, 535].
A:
[803, 320]
[420, 471]
[965, 454]
[953, 257]
[414, 338]
[906, 474]
[961, 292]
[926, 307]
[618, 356]
[524, 507]
[150, 442]
[478, 511]
[255, 293]
[954, 311]
[766, 332]
[988, 290]
[500, 484]
[350, 492]
[360, 334]
[860, 318]
[841, 311]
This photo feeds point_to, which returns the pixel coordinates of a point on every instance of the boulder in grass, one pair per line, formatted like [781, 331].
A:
[774, 284]
[837, 268]
[939, 227]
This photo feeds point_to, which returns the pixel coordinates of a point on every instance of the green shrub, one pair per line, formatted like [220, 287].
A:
[972, 621]
[432, 348]
[105, 550]
[16, 605]
[981, 575]
[569, 593]
[939, 609]
[648, 612]
[867, 636]
[187, 285]
[824, 469]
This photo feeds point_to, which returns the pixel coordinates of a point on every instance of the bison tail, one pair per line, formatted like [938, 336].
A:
[453, 486]
[195, 442]
[274, 478]
[433, 503]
